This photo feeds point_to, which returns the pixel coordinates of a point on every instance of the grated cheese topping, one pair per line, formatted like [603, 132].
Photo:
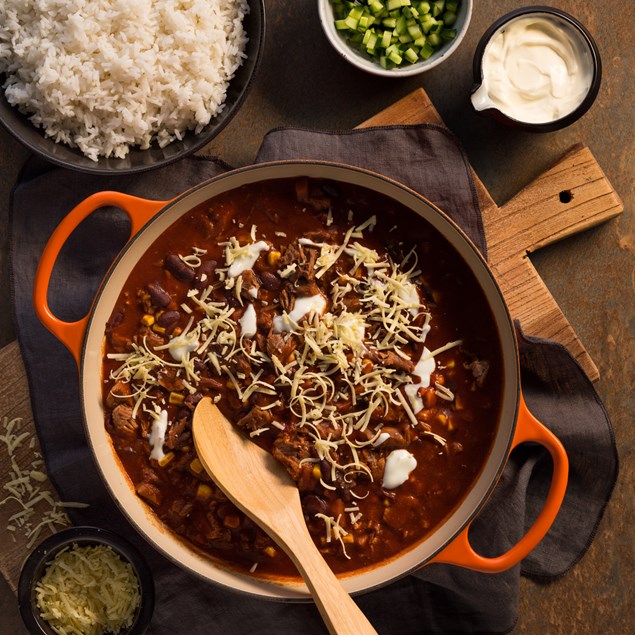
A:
[88, 590]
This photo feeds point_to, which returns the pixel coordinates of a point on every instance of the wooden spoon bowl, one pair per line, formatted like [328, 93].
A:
[259, 486]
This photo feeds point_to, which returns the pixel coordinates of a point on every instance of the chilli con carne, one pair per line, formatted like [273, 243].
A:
[337, 330]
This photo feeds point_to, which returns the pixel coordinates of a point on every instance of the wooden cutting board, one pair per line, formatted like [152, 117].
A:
[570, 197]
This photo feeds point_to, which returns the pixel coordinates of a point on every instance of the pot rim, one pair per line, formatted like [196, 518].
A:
[511, 391]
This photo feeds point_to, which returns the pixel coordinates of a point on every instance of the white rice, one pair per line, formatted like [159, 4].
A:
[104, 75]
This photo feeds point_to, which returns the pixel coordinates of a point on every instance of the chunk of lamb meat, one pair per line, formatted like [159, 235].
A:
[167, 379]
[291, 291]
[303, 258]
[250, 285]
[290, 449]
[375, 462]
[119, 394]
[282, 345]
[255, 419]
[179, 434]
[392, 360]
[397, 437]
[123, 422]
[148, 486]
[479, 368]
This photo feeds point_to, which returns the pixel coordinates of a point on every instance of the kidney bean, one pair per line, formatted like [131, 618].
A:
[158, 295]
[168, 319]
[205, 274]
[270, 281]
[178, 268]
[312, 505]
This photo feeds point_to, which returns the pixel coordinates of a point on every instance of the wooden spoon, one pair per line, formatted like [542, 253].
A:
[258, 485]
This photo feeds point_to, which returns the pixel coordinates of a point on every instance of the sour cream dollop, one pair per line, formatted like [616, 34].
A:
[399, 464]
[303, 306]
[247, 259]
[423, 370]
[157, 435]
[248, 321]
[536, 69]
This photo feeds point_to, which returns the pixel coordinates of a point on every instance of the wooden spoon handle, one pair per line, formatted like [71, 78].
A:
[338, 609]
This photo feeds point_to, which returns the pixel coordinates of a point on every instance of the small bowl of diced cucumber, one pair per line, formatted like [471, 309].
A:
[395, 38]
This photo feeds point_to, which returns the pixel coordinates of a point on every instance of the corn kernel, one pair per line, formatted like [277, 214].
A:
[203, 492]
[147, 320]
[166, 459]
[317, 472]
[158, 329]
[176, 398]
[196, 466]
[441, 418]
[386, 502]
[349, 538]
[273, 257]
[270, 551]
[450, 364]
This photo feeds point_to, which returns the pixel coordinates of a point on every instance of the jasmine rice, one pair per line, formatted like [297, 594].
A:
[105, 75]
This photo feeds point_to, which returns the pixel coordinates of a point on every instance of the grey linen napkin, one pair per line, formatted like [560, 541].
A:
[439, 598]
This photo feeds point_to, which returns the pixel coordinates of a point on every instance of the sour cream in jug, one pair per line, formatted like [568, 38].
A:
[535, 69]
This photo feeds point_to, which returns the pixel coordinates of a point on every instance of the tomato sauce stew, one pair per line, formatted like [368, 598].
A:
[336, 329]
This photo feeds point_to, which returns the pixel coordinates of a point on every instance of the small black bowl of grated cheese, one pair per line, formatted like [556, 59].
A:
[86, 580]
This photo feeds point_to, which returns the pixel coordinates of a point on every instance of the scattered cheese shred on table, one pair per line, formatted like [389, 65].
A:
[88, 590]
[24, 485]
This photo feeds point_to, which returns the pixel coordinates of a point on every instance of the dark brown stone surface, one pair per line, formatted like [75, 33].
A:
[302, 82]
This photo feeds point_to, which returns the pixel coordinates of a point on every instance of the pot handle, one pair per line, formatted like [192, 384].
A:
[139, 211]
[460, 551]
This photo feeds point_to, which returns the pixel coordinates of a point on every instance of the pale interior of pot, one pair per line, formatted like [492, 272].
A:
[117, 481]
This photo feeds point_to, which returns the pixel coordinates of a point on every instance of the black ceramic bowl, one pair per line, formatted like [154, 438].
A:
[35, 566]
[585, 37]
[138, 160]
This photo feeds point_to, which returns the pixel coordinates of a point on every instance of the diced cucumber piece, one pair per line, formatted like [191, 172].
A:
[396, 32]
[434, 40]
[448, 18]
[447, 35]
[410, 55]
[401, 26]
[438, 6]
[385, 39]
[376, 7]
[395, 57]
[415, 31]
[351, 22]
[426, 51]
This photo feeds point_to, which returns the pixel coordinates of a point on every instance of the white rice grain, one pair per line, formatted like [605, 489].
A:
[105, 75]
